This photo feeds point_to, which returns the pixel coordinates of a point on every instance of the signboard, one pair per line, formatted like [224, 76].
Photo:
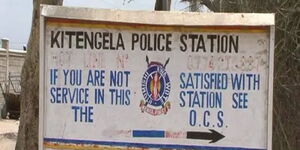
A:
[123, 79]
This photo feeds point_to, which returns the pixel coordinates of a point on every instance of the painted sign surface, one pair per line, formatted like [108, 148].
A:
[109, 84]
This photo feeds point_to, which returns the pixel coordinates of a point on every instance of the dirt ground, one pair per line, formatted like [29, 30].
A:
[8, 133]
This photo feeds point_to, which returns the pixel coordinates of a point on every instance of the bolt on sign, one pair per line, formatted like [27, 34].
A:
[162, 80]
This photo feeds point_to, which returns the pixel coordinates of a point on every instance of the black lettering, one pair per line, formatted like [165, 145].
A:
[193, 37]
[224, 41]
[70, 34]
[120, 42]
[149, 42]
[79, 39]
[183, 46]
[105, 40]
[89, 40]
[135, 39]
[62, 39]
[168, 42]
[234, 44]
[143, 42]
[155, 42]
[111, 45]
[201, 44]
[54, 39]
[160, 36]
[98, 44]
[212, 38]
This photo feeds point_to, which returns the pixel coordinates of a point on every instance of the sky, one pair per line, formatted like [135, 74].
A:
[16, 15]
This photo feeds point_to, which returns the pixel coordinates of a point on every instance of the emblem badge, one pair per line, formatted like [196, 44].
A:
[156, 89]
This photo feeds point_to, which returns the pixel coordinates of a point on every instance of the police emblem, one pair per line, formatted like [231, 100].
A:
[155, 89]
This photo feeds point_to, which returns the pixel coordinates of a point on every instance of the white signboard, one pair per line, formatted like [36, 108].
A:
[155, 80]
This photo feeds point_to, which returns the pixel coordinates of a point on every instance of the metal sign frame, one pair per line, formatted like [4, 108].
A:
[155, 18]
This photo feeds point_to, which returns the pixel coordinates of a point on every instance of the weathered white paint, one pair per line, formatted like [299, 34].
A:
[159, 17]
[242, 128]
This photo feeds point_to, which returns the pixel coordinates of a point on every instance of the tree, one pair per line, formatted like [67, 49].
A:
[28, 129]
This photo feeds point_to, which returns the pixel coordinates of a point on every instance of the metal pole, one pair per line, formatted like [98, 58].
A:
[162, 5]
[166, 5]
[5, 45]
[7, 66]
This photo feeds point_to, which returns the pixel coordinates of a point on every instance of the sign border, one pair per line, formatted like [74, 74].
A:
[165, 19]
[41, 82]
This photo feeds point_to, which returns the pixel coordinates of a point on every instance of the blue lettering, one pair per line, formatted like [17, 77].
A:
[76, 95]
[85, 113]
[58, 95]
[189, 82]
[96, 78]
[74, 77]
[182, 101]
[65, 76]
[182, 75]
[240, 100]
[119, 96]
[118, 77]
[205, 116]
[127, 95]
[53, 99]
[99, 96]
[192, 118]
[53, 76]
[64, 95]
[245, 81]
[207, 83]
[220, 119]
[75, 108]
